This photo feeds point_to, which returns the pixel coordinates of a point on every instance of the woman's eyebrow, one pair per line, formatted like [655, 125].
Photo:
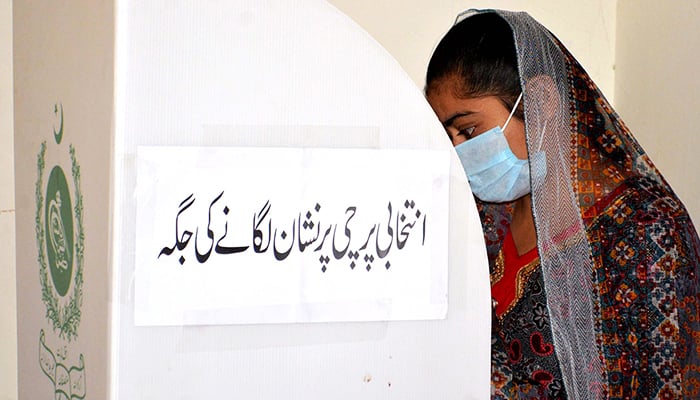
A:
[454, 116]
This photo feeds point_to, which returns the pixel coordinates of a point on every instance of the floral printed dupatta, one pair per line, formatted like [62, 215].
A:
[618, 251]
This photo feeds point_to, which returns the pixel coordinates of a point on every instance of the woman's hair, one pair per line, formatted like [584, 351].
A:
[480, 52]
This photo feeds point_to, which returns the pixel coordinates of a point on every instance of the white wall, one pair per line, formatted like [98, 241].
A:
[642, 54]
[410, 29]
[657, 87]
[8, 323]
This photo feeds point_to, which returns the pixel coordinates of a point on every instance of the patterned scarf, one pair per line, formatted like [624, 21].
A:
[619, 252]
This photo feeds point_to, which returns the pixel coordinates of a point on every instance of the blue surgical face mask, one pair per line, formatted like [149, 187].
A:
[495, 173]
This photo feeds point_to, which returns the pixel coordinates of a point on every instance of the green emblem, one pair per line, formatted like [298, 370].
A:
[58, 224]
[60, 240]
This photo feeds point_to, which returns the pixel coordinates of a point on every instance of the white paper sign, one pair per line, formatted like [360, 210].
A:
[267, 235]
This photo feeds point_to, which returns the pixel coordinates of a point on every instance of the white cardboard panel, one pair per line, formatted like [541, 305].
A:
[223, 73]
[277, 75]
[63, 60]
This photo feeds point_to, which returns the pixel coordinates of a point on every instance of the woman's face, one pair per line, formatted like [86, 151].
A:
[466, 118]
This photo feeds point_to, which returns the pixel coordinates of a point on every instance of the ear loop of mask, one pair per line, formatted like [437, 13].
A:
[515, 107]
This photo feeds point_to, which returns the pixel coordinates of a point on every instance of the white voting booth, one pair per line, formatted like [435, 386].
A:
[239, 200]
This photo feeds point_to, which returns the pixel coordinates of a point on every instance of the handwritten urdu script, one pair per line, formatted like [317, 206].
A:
[305, 232]
[248, 235]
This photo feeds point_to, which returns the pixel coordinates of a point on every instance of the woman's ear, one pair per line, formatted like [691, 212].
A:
[542, 96]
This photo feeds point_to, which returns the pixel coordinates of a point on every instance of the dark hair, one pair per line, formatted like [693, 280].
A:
[480, 52]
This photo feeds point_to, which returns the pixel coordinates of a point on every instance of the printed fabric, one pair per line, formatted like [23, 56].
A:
[523, 358]
[619, 274]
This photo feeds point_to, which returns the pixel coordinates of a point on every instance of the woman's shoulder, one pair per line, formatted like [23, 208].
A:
[639, 200]
[644, 215]
[645, 253]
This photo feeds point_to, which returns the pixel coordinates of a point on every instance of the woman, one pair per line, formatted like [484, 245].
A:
[593, 258]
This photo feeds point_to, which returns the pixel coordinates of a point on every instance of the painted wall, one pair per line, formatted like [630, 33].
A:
[8, 322]
[612, 39]
[410, 30]
[657, 88]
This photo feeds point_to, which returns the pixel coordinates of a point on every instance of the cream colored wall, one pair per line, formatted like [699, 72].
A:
[8, 323]
[654, 87]
[657, 87]
[410, 29]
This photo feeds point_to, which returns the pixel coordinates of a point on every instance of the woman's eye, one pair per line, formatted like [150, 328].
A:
[468, 132]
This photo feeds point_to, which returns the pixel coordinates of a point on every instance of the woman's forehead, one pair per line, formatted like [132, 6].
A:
[448, 106]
